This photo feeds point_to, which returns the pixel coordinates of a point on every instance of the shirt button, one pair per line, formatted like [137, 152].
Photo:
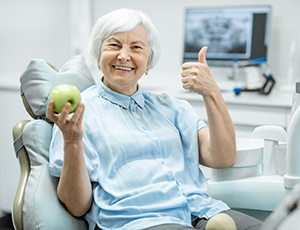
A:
[185, 207]
[179, 194]
[162, 162]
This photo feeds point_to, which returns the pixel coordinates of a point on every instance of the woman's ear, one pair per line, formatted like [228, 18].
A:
[98, 61]
[148, 64]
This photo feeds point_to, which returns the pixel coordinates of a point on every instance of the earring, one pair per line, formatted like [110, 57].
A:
[146, 72]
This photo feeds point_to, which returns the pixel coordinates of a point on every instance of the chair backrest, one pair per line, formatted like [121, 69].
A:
[36, 205]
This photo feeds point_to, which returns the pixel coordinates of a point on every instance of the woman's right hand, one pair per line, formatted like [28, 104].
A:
[70, 126]
[75, 194]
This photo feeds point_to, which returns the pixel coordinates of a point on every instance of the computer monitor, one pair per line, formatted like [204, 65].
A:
[231, 33]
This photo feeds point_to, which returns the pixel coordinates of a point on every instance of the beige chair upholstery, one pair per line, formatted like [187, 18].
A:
[24, 173]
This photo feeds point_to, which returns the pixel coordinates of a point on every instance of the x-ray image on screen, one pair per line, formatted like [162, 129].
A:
[226, 35]
[231, 33]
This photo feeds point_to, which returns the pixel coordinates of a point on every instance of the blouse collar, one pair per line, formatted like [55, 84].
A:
[121, 99]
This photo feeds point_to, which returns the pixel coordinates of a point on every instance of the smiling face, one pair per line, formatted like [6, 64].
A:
[124, 59]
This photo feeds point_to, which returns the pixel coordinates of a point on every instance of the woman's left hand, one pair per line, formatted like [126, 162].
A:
[196, 76]
[217, 147]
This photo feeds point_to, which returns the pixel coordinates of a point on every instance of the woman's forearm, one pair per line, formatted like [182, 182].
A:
[217, 143]
[221, 131]
[74, 188]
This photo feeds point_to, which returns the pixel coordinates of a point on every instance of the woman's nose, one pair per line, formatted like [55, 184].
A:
[124, 54]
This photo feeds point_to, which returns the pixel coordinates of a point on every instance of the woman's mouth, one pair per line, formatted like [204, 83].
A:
[125, 68]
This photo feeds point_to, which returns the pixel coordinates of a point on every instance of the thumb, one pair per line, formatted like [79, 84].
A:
[202, 55]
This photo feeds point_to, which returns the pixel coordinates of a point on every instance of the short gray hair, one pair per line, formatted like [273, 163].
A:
[123, 20]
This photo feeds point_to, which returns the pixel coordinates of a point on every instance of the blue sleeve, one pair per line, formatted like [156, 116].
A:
[181, 113]
[56, 155]
[56, 152]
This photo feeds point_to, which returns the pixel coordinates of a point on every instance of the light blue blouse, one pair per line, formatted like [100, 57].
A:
[142, 157]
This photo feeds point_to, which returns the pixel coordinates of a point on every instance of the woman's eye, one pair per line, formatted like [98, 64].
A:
[114, 45]
[137, 47]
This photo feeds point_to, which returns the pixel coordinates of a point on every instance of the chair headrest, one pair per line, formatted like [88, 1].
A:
[40, 77]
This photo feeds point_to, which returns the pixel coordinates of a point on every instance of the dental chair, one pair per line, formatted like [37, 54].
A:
[247, 185]
[252, 185]
[36, 205]
[255, 184]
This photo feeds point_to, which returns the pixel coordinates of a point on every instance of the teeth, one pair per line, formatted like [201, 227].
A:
[123, 68]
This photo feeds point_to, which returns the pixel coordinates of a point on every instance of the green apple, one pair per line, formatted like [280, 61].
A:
[221, 221]
[64, 93]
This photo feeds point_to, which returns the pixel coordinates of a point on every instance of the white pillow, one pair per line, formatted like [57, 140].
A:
[42, 208]
[40, 78]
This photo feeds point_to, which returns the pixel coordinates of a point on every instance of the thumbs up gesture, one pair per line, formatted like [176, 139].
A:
[196, 76]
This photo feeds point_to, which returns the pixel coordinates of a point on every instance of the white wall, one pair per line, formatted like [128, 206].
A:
[28, 29]
[32, 29]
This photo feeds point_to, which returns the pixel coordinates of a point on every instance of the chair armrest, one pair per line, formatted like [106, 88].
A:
[24, 161]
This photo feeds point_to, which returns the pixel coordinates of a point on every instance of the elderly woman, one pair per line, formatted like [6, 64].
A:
[129, 159]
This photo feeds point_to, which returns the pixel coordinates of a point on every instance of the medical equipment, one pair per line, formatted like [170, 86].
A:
[286, 215]
[254, 190]
[250, 73]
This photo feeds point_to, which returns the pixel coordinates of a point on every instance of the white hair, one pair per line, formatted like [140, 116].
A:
[123, 20]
